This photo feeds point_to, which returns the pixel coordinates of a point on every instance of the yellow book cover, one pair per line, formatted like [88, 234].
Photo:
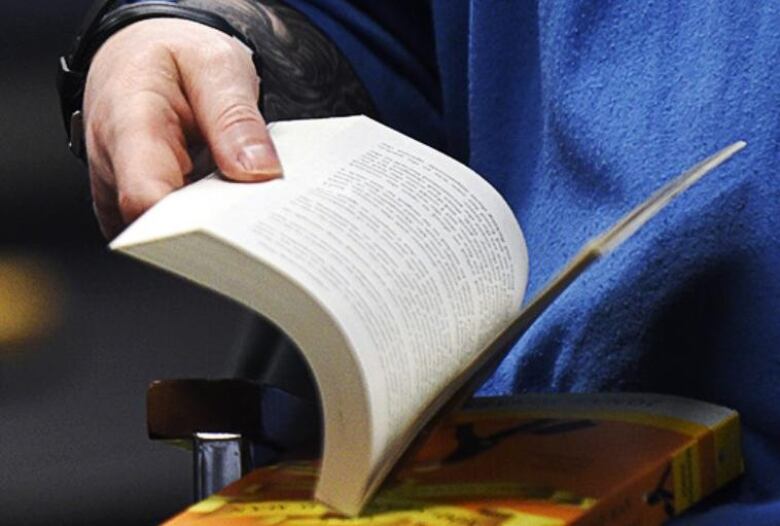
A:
[529, 460]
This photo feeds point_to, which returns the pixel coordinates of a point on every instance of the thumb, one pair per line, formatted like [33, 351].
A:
[222, 86]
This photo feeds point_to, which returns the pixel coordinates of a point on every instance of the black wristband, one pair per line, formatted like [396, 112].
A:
[72, 75]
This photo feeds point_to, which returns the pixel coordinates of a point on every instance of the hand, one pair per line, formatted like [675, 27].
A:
[157, 92]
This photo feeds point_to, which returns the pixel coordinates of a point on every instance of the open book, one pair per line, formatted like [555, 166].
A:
[399, 273]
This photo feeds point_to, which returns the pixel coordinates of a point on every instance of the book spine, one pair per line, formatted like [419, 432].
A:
[707, 462]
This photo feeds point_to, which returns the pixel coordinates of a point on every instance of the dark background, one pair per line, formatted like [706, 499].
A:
[82, 331]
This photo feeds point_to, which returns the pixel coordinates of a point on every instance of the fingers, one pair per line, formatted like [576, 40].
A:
[138, 158]
[153, 90]
[223, 89]
[136, 119]
[147, 170]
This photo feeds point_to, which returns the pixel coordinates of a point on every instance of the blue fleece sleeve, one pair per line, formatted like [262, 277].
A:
[390, 46]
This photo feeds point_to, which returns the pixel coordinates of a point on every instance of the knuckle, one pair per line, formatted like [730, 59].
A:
[133, 204]
[99, 114]
[147, 106]
[209, 55]
[96, 110]
[93, 134]
[141, 115]
[218, 51]
[143, 60]
[236, 113]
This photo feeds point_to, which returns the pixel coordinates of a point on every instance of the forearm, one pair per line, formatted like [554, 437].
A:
[304, 75]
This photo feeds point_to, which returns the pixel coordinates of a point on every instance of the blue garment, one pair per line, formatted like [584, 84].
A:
[576, 111]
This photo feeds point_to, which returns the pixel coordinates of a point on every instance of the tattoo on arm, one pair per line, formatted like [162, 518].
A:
[304, 75]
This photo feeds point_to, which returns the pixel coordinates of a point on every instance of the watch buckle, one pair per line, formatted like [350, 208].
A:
[76, 143]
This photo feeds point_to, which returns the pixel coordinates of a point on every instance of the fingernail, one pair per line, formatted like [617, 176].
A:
[259, 159]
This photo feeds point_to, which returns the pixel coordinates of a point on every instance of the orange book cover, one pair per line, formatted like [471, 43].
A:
[529, 460]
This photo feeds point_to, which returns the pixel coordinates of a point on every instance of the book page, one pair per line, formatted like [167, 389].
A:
[191, 207]
[417, 258]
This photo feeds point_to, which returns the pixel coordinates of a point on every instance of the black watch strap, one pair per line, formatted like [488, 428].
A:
[101, 23]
